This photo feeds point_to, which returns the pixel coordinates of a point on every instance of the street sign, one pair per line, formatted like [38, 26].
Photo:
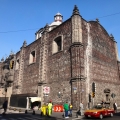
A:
[113, 95]
[46, 90]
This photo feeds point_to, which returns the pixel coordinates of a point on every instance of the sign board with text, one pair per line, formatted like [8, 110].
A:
[46, 90]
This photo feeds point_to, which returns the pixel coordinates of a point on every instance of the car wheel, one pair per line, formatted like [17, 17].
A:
[101, 116]
[86, 116]
[111, 114]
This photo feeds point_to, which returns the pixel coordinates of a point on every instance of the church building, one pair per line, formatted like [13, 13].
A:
[73, 60]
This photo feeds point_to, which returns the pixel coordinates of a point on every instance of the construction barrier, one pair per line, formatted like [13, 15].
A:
[58, 108]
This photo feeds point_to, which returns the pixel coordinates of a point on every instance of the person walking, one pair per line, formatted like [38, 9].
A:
[81, 108]
[50, 108]
[66, 109]
[115, 107]
[70, 109]
[43, 109]
[5, 104]
[103, 103]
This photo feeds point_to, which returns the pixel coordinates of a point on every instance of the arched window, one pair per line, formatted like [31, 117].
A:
[57, 45]
[32, 57]
[17, 64]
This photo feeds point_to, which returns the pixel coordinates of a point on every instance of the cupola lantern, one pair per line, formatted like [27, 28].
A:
[58, 17]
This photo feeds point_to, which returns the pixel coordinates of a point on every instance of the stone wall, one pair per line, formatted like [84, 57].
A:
[58, 66]
[104, 64]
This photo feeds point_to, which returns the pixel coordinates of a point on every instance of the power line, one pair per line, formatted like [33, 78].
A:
[38, 28]
[18, 30]
[108, 15]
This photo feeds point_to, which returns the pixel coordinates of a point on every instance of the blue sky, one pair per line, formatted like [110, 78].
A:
[20, 19]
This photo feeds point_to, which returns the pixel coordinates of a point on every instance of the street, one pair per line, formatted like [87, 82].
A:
[55, 116]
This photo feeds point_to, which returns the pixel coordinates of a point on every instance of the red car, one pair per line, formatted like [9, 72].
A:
[99, 112]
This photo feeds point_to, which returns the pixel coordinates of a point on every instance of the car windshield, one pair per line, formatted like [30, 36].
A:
[97, 107]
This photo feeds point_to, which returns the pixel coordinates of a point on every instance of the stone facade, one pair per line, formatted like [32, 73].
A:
[87, 54]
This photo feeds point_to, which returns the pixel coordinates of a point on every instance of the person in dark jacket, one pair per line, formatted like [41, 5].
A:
[5, 104]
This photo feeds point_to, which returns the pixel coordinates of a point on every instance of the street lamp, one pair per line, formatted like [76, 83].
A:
[59, 94]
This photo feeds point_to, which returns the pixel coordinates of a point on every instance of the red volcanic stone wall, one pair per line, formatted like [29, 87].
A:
[104, 58]
[104, 62]
[31, 71]
[59, 64]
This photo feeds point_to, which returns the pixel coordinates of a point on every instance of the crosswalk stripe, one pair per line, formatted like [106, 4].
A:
[29, 118]
[38, 118]
[21, 118]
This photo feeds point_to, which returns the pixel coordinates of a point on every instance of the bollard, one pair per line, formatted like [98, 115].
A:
[33, 112]
[25, 111]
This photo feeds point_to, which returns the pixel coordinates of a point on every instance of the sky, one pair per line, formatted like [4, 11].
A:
[20, 19]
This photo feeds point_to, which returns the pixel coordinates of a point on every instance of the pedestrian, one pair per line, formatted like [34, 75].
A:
[66, 109]
[5, 104]
[115, 107]
[102, 103]
[70, 109]
[50, 108]
[81, 108]
[43, 109]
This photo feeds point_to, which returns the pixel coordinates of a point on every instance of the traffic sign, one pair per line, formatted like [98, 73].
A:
[113, 95]
[46, 90]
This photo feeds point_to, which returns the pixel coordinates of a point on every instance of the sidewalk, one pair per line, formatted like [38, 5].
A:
[59, 115]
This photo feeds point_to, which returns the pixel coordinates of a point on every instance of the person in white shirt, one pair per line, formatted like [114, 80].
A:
[81, 108]
[115, 107]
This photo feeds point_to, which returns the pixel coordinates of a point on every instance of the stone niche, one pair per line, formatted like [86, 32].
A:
[107, 94]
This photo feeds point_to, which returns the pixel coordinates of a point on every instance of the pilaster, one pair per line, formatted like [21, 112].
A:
[77, 60]
[43, 63]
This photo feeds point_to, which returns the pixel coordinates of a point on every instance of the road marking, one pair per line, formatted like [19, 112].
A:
[32, 118]
[76, 119]
[11, 119]
[21, 118]
[37, 117]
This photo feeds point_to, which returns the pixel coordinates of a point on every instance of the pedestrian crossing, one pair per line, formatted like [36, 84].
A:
[30, 117]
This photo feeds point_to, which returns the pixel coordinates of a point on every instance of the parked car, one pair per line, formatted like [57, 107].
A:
[98, 111]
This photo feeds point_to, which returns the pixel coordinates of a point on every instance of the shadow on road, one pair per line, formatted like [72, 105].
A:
[117, 114]
[23, 115]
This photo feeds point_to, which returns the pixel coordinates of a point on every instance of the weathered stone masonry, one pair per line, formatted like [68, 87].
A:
[88, 54]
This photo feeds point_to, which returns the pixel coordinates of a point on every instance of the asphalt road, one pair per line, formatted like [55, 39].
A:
[15, 115]
[22, 116]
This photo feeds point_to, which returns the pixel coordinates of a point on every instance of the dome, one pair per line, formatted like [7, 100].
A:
[55, 23]
[58, 14]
